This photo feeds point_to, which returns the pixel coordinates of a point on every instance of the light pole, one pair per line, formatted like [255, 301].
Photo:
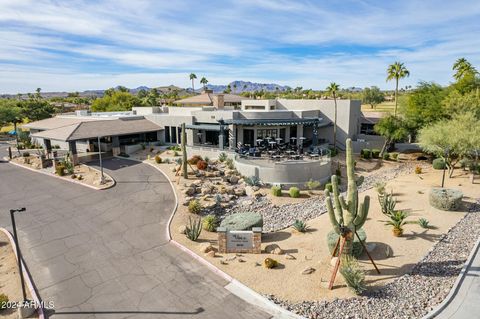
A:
[19, 255]
[102, 178]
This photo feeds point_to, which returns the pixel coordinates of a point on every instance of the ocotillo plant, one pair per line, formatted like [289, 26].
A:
[184, 152]
[350, 215]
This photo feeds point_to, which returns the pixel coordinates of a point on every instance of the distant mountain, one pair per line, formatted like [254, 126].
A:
[243, 86]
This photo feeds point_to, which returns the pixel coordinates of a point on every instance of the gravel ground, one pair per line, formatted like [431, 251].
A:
[412, 295]
[277, 218]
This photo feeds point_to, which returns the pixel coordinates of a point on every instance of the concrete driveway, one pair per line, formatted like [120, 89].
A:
[104, 254]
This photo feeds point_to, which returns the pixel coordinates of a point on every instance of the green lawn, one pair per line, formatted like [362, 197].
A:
[382, 107]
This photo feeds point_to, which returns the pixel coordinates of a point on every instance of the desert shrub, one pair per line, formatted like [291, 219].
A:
[158, 159]
[222, 157]
[202, 165]
[366, 153]
[3, 301]
[276, 191]
[210, 223]
[270, 263]
[353, 274]
[386, 156]
[394, 156]
[300, 226]
[143, 145]
[438, 163]
[333, 152]
[424, 223]
[252, 181]
[57, 147]
[375, 153]
[80, 177]
[193, 229]
[294, 192]
[174, 148]
[194, 207]
[311, 184]
[397, 221]
[329, 187]
[418, 170]
[380, 187]
[387, 203]
[445, 198]
[229, 163]
[194, 159]
[26, 154]
[175, 154]
[60, 170]
[166, 161]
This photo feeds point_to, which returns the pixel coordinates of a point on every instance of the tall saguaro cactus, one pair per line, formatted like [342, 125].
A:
[184, 152]
[347, 217]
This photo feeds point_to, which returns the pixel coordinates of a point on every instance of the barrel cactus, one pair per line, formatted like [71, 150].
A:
[347, 217]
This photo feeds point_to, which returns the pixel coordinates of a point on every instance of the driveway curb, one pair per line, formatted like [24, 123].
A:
[26, 276]
[66, 179]
[456, 286]
[234, 286]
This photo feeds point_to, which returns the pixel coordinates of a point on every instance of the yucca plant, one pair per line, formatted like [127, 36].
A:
[193, 229]
[353, 274]
[210, 223]
[300, 226]
[397, 221]
[424, 223]
[387, 203]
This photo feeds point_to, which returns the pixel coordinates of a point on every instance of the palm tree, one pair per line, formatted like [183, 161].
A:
[193, 76]
[332, 90]
[463, 68]
[396, 71]
[204, 81]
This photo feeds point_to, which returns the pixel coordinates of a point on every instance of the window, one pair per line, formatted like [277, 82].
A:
[254, 107]
[174, 135]
[263, 133]
[167, 134]
[367, 129]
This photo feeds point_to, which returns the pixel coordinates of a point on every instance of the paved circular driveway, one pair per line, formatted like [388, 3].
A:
[104, 254]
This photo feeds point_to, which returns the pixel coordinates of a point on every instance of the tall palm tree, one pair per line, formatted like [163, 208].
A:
[396, 71]
[332, 90]
[193, 76]
[204, 81]
[462, 68]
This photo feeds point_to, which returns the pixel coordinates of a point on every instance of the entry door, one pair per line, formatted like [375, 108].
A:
[248, 137]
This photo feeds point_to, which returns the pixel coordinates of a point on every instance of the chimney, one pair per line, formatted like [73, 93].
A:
[219, 101]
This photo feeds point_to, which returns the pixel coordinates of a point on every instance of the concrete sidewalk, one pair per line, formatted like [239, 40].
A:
[466, 302]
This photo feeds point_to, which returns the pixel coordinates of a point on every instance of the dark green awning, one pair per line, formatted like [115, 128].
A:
[276, 122]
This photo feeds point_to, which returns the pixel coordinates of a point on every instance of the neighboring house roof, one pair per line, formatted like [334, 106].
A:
[372, 117]
[92, 129]
[207, 99]
[55, 122]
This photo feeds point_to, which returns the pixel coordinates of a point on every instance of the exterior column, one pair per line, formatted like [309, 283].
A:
[72, 148]
[222, 240]
[48, 147]
[257, 240]
[115, 145]
[221, 136]
[232, 136]
[299, 134]
[315, 134]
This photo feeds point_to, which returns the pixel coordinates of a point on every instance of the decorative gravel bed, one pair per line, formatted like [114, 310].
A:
[277, 218]
[412, 295]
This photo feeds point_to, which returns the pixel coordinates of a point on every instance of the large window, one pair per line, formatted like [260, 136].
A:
[263, 133]
[167, 134]
[367, 129]
[174, 134]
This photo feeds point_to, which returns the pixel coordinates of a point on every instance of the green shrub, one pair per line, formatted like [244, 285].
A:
[394, 156]
[194, 207]
[375, 153]
[294, 192]
[353, 274]
[276, 191]
[311, 184]
[252, 181]
[333, 152]
[300, 226]
[3, 301]
[158, 159]
[366, 153]
[210, 223]
[386, 156]
[438, 163]
[222, 157]
[193, 229]
[60, 170]
[329, 187]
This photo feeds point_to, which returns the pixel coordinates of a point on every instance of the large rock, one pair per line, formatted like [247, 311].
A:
[242, 221]
[233, 179]
[446, 199]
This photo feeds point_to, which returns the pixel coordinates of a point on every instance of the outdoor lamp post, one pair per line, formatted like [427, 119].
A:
[102, 178]
[19, 255]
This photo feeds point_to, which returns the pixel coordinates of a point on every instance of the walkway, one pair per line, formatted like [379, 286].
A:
[104, 254]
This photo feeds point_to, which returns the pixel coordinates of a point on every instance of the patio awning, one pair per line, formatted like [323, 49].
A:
[212, 127]
[276, 122]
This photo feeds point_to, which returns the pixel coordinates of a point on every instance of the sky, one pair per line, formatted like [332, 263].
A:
[78, 45]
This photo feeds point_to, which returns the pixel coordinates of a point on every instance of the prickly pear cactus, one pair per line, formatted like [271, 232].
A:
[347, 216]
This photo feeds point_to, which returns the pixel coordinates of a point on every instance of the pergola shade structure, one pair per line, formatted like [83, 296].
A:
[276, 122]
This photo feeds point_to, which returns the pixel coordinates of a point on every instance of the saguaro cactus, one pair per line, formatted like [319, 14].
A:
[184, 152]
[347, 217]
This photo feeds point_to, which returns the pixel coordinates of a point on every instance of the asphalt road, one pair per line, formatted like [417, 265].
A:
[104, 254]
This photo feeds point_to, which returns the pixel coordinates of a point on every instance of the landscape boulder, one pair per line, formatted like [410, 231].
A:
[242, 221]
[274, 249]
[445, 198]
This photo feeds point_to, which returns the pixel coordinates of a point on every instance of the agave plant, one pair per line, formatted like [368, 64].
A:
[397, 221]
[424, 223]
[252, 181]
[353, 274]
[300, 226]
[387, 203]
[193, 229]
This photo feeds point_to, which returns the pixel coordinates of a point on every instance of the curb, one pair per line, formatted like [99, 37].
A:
[456, 286]
[234, 286]
[26, 276]
[66, 179]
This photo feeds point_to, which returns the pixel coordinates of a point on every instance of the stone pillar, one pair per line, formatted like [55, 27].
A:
[232, 136]
[221, 136]
[257, 240]
[72, 148]
[315, 134]
[299, 134]
[222, 240]
[115, 145]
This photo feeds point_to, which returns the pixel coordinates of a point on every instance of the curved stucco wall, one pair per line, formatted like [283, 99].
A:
[288, 173]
